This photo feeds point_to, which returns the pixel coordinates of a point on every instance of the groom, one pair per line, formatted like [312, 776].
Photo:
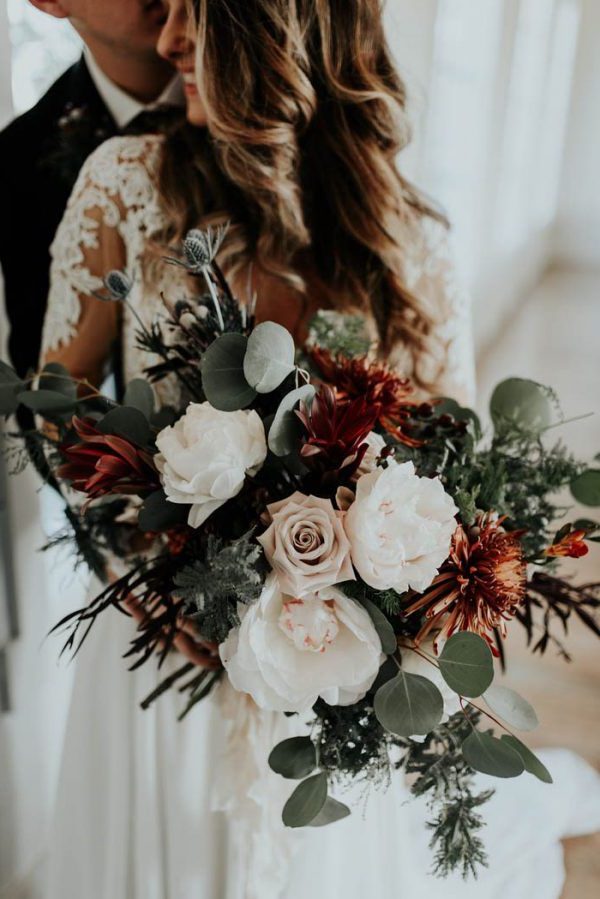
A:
[109, 90]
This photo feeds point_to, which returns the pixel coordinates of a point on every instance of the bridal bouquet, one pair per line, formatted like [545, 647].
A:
[355, 554]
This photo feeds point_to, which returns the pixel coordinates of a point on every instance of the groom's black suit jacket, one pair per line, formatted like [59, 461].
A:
[41, 153]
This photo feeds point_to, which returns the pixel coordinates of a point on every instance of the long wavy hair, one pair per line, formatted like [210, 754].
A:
[306, 115]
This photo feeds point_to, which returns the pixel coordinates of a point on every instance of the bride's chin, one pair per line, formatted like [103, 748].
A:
[195, 114]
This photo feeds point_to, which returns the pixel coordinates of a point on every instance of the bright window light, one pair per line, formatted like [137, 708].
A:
[555, 113]
[535, 120]
[460, 122]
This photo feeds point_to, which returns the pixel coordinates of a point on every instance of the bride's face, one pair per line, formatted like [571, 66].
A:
[177, 44]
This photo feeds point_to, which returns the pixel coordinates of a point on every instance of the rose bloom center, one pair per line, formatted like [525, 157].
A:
[310, 624]
[307, 540]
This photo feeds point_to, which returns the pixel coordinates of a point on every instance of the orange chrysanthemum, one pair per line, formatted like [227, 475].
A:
[377, 384]
[480, 586]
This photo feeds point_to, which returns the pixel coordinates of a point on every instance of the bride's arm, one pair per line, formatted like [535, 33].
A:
[79, 328]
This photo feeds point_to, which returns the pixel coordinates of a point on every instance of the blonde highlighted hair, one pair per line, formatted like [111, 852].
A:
[306, 115]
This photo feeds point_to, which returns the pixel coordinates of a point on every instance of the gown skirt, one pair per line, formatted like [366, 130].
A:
[151, 808]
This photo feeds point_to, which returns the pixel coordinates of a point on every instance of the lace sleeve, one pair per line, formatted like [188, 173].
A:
[92, 240]
[431, 275]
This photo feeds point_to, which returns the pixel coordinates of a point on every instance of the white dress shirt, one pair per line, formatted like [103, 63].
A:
[121, 105]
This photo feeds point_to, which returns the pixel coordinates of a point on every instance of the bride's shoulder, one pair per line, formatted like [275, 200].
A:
[430, 247]
[122, 161]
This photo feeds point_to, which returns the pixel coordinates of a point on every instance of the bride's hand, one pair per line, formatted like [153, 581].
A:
[187, 639]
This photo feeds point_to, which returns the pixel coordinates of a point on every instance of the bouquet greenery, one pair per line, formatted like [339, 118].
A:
[355, 553]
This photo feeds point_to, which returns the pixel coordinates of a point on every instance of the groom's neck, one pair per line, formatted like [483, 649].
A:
[142, 77]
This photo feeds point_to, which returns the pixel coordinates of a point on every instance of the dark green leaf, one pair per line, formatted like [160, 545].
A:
[488, 754]
[530, 760]
[49, 401]
[586, 487]
[164, 417]
[9, 397]
[269, 357]
[126, 422]
[223, 379]
[586, 524]
[139, 395]
[511, 707]
[522, 403]
[56, 377]
[8, 375]
[408, 705]
[306, 801]
[158, 514]
[384, 629]
[286, 428]
[294, 758]
[448, 406]
[332, 811]
[467, 664]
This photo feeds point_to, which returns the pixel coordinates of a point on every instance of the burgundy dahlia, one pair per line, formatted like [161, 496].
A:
[336, 431]
[103, 463]
[376, 384]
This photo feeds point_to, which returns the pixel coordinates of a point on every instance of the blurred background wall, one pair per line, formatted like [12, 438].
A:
[505, 104]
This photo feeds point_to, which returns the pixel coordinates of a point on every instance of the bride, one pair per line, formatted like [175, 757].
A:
[295, 115]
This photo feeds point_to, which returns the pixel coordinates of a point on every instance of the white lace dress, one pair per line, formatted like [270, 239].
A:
[149, 808]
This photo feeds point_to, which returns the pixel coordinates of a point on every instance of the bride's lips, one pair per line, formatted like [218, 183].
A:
[189, 82]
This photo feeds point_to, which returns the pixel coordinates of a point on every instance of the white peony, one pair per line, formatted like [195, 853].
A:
[289, 651]
[205, 456]
[399, 527]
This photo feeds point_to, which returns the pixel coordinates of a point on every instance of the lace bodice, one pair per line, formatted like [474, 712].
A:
[112, 212]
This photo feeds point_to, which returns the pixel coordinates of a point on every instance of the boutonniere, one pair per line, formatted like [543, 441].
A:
[79, 130]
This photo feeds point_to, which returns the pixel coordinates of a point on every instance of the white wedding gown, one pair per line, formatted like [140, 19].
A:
[150, 808]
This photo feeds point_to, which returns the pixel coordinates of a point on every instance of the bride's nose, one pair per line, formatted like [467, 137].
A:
[175, 39]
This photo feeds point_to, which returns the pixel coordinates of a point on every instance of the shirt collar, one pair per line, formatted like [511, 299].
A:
[121, 105]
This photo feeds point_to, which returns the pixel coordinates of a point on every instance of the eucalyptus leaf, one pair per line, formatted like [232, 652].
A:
[294, 758]
[126, 422]
[466, 664]
[139, 395]
[57, 378]
[488, 754]
[9, 397]
[409, 704]
[586, 487]
[164, 417]
[8, 375]
[331, 812]
[449, 406]
[47, 401]
[285, 429]
[223, 380]
[530, 760]
[306, 802]
[158, 513]
[269, 357]
[523, 403]
[511, 707]
[384, 629]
